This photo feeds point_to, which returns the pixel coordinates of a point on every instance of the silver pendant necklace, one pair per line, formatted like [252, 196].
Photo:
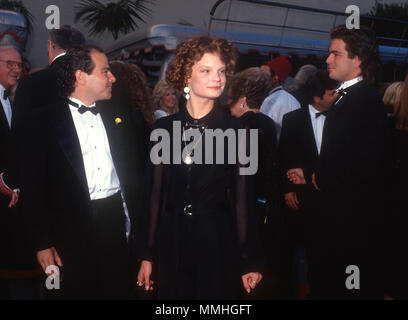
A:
[187, 159]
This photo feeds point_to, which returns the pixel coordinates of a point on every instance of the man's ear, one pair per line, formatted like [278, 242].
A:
[316, 100]
[357, 62]
[81, 77]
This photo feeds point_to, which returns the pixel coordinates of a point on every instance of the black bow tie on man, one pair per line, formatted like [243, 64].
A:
[6, 94]
[318, 114]
[82, 109]
[342, 92]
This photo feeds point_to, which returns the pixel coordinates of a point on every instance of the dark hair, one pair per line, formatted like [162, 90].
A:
[132, 82]
[77, 58]
[254, 84]
[190, 52]
[66, 37]
[361, 43]
[317, 84]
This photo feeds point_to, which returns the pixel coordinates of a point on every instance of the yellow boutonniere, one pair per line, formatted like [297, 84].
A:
[118, 121]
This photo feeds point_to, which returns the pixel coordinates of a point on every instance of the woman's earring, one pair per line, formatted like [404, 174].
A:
[187, 92]
[241, 105]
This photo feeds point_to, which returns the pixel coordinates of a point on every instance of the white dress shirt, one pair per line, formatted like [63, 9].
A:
[317, 124]
[101, 175]
[277, 104]
[6, 105]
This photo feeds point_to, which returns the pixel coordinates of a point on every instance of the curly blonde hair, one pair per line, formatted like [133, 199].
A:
[159, 91]
[190, 52]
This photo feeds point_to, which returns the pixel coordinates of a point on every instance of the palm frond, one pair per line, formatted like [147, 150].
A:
[115, 17]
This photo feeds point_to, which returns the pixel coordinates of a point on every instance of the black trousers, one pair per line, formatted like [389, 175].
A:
[101, 269]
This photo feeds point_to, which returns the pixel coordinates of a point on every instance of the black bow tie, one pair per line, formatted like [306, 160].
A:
[318, 114]
[6, 94]
[82, 109]
[342, 92]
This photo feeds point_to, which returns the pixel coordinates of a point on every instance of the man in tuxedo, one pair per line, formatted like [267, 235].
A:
[16, 257]
[299, 147]
[39, 89]
[350, 173]
[80, 181]
[10, 71]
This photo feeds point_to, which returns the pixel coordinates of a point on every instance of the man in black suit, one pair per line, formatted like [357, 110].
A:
[350, 172]
[10, 71]
[299, 147]
[13, 238]
[40, 88]
[80, 181]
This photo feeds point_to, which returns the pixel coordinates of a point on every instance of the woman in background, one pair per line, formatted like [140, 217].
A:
[396, 212]
[165, 100]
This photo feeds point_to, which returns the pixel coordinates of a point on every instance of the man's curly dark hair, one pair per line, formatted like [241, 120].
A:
[76, 58]
[361, 43]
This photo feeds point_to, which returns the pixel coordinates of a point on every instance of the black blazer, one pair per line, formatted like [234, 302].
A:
[36, 90]
[350, 173]
[297, 146]
[5, 135]
[54, 189]
[33, 91]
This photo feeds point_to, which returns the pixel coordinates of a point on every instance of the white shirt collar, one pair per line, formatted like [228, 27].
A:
[313, 111]
[2, 89]
[79, 102]
[60, 55]
[350, 83]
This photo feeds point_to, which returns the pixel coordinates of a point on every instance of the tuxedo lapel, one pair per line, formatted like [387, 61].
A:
[113, 122]
[3, 118]
[309, 133]
[67, 137]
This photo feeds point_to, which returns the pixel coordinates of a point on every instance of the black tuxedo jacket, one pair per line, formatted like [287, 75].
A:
[36, 90]
[297, 146]
[33, 91]
[350, 173]
[54, 191]
[5, 135]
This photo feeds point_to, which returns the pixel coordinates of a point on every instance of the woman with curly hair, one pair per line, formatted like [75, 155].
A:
[131, 82]
[165, 100]
[198, 227]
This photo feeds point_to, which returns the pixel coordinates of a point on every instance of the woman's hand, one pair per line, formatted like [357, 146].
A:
[251, 280]
[143, 277]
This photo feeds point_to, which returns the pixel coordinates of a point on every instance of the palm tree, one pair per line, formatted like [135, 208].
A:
[118, 17]
[17, 6]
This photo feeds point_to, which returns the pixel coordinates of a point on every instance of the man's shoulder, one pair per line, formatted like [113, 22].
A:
[38, 78]
[296, 115]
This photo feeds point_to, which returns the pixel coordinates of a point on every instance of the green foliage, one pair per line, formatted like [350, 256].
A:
[17, 6]
[114, 17]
